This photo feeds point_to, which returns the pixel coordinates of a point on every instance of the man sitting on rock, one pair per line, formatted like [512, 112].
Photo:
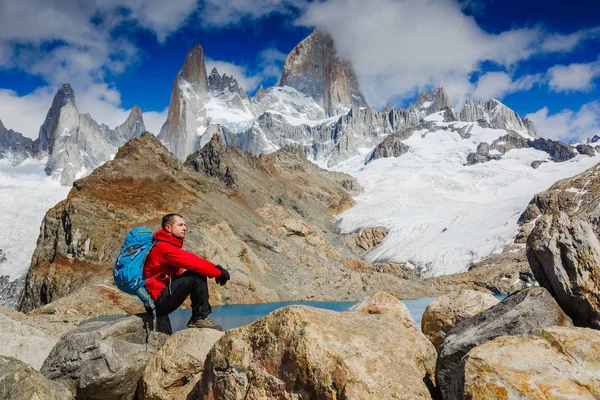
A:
[166, 283]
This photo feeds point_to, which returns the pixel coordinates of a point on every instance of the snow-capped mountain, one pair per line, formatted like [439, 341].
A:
[314, 68]
[197, 101]
[14, 146]
[74, 143]
[289, 114]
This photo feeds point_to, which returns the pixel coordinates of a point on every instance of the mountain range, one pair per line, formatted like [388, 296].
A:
[318, 105]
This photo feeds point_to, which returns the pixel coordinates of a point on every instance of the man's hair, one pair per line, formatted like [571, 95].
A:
[169, 219]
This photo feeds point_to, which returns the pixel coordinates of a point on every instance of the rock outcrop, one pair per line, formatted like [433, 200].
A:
[558, 151]
[563, 248]
[391, 146]
[19, 381]
[447, 311]
[103, 360]
[586, 149]
[314, 68]
[498, 116]
[14, 146]
[432, 102]
[502, 273]
[519, 313]
[177, 366]
[303, 352]
[23, 341]
[554, 362]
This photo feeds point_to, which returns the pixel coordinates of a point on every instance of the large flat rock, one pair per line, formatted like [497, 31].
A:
[300, 352]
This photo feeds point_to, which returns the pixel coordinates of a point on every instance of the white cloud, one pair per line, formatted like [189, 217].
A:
[498, 84]
[218, 13]
[568, 125]
[573, 76]
[564, 43]
[399, 48]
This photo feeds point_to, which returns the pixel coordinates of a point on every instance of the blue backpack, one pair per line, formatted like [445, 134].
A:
[129, 265]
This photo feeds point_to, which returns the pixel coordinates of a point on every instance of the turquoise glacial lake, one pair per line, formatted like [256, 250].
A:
[234, 316]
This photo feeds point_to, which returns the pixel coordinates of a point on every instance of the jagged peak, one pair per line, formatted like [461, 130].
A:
[2, 127]
[194, 68]
[134, 115]
[64, 95]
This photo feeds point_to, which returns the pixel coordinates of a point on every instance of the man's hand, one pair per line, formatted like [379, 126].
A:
[224, 278]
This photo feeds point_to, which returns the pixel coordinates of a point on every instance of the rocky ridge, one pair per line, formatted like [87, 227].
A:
[498, 116]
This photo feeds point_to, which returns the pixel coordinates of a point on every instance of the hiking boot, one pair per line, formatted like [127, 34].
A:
[203, 323]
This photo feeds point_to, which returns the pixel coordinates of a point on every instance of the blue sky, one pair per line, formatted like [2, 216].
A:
[541, 58]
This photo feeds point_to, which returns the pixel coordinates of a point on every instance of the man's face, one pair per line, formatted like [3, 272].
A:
[177, 229]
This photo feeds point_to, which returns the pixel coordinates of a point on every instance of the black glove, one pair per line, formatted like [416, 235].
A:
[224, 278]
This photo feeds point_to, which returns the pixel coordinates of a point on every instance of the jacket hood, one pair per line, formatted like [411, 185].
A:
[164, 236]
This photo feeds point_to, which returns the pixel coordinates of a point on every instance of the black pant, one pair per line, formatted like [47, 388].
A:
[189, 283]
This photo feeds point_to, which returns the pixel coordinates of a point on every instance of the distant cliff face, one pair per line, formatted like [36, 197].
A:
[429, 103]
[198, 100]
[314, 68]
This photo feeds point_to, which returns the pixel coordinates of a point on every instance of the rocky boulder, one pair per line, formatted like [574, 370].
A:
[175, 369]
[586, 149]
[447, 311]
[563, 248]
[551, 363]
[482, 154]
[101, 360]
[558, 151]
[20, 381]
[23, 341]
[366, 240]
[391, 146]
[519, 313]
[303, 352]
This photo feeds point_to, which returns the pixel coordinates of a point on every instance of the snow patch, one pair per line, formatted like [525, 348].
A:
[27, 194]
[441, 214]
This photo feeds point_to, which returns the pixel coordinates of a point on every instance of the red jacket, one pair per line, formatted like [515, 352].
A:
[166, 261]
